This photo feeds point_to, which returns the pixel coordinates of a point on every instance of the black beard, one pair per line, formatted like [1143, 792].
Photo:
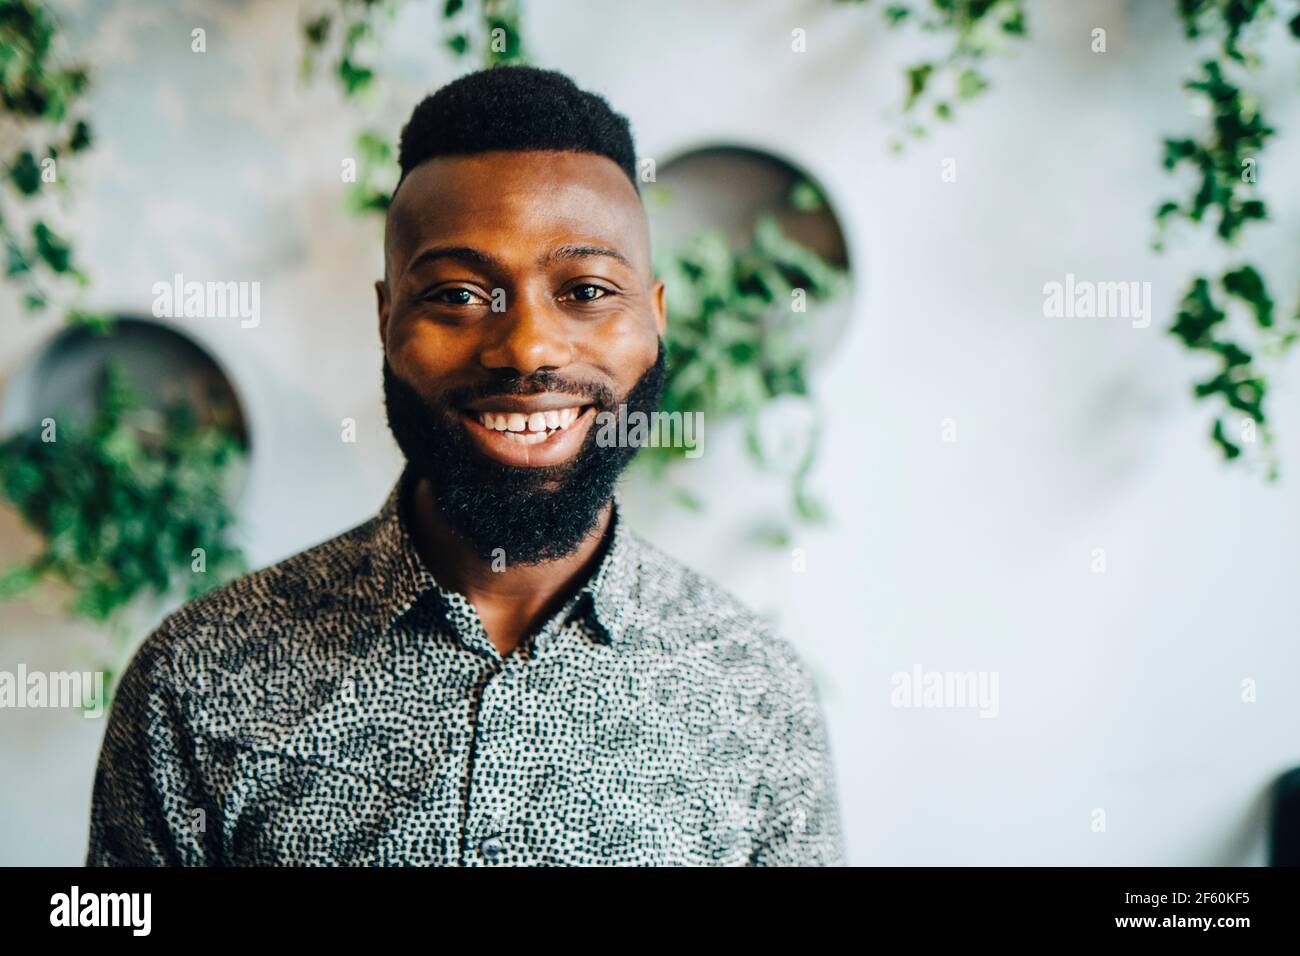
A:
[533, 515]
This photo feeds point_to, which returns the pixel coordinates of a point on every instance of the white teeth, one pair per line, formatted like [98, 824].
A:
[530, 428]
[526, 438]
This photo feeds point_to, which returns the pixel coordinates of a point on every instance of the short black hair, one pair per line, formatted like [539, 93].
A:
[515, 108]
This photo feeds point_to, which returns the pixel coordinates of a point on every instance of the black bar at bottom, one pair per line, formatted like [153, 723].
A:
[299, 906]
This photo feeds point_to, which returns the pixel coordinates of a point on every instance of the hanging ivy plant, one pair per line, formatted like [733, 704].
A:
[121, 503]
[934, 88]
[42, 111]
[739, 336]
[351, 37]
[1230, 318]
[129, 503]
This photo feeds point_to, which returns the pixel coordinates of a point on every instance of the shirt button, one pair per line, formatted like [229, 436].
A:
[492, 848]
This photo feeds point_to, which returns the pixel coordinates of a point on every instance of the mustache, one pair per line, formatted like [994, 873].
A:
[543, 380]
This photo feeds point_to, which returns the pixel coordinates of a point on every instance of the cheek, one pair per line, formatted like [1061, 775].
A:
[426, 355]
[624, 351]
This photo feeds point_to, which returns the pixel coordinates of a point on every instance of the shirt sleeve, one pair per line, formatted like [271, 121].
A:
[802, 827]
[147, 808]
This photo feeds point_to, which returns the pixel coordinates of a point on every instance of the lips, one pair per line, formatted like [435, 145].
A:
[531, 431]
[529, 428]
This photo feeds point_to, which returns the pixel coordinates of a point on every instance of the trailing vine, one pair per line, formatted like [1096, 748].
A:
[351, 36]
[122, 500]
[977, 29]
[735, 342]
[44, 125]
[1230, 317]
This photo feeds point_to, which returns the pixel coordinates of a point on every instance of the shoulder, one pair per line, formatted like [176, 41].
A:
[284, 609]
[689, 614]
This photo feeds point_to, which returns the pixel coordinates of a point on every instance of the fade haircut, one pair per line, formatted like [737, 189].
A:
[515, 108]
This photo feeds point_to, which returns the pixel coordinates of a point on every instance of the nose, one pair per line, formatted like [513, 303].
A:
[528, 337]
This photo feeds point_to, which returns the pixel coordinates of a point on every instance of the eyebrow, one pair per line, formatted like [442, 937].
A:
[566, 253]
[465, 254]
[477, 257]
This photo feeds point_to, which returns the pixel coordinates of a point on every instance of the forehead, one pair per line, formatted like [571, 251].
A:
[517, 200]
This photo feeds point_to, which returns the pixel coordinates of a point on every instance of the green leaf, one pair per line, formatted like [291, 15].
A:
[917, 78]
[16, 263]
[354, 78]
[81, 137]
[896, 14]
[317, 31]
[1230, 450]
[970, 84]
[1248, 285]
[18, 580]
[805, 197]
[25, 173]
[51, 248]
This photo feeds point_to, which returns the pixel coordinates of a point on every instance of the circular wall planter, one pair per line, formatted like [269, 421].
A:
[728, 187]
[162, 363]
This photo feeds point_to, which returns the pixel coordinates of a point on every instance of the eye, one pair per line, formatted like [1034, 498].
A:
[586, 292]
[455, 295]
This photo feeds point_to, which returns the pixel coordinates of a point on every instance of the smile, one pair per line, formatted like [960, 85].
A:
[532, 428]
[529, 433]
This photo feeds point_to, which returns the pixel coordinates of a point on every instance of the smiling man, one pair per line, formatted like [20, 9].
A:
[494, 669]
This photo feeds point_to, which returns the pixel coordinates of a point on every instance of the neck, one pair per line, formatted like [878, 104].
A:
[511, 600]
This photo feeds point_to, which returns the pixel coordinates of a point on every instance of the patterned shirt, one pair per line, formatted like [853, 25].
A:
[342, 708]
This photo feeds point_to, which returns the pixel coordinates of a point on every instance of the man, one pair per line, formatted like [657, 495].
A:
[494, 669]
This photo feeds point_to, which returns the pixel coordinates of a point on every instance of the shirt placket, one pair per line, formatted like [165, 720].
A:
[493, 832]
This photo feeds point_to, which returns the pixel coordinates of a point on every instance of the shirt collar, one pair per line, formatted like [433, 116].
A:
[393, 577]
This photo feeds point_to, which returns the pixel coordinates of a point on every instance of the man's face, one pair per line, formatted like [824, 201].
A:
[496, 406]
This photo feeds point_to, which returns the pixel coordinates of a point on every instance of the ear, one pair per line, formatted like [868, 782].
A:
[660, 310]
[382, 303]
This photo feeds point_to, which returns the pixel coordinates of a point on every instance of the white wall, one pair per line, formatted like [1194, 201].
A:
[1118, 691]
